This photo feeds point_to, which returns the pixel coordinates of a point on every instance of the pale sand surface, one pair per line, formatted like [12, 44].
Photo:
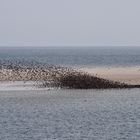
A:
[130, 75]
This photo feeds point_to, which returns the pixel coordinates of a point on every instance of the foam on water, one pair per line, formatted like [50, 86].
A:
[21, 86]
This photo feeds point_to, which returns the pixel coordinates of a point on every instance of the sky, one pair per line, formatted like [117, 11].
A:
[69, 22]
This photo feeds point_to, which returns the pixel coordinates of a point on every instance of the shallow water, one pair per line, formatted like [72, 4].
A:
[70, 115]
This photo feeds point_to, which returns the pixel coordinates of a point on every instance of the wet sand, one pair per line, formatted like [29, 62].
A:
[129, 75]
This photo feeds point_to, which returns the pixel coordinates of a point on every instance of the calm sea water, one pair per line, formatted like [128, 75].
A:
[74, 56]
[70, 115]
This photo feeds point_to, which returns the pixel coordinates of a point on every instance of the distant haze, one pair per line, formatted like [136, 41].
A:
[69, 22]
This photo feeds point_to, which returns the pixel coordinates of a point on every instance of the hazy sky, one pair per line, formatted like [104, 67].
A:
[69, 22]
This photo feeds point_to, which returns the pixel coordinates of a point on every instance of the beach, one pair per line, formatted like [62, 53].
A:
[129, 75]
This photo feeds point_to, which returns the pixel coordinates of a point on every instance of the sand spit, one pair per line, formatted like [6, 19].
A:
[60, 77]
[128, 75]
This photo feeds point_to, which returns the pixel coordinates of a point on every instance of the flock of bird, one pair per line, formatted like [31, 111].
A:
[57, 76]
[31, 73]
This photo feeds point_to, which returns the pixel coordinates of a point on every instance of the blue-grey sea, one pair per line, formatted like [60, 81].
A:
[73, 56]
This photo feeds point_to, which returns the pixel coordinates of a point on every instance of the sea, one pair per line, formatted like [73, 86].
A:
[68, 114]
[72, 56]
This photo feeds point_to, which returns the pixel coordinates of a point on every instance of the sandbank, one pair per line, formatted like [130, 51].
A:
[129, 75]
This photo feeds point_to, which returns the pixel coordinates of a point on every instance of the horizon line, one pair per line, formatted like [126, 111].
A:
[71, 46]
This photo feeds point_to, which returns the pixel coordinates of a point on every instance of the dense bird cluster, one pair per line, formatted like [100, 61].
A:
[56, 76]
[81, 80]
[30, 73]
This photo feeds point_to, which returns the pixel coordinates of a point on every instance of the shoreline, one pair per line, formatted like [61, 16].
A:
[21, 86]
[17, 85]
